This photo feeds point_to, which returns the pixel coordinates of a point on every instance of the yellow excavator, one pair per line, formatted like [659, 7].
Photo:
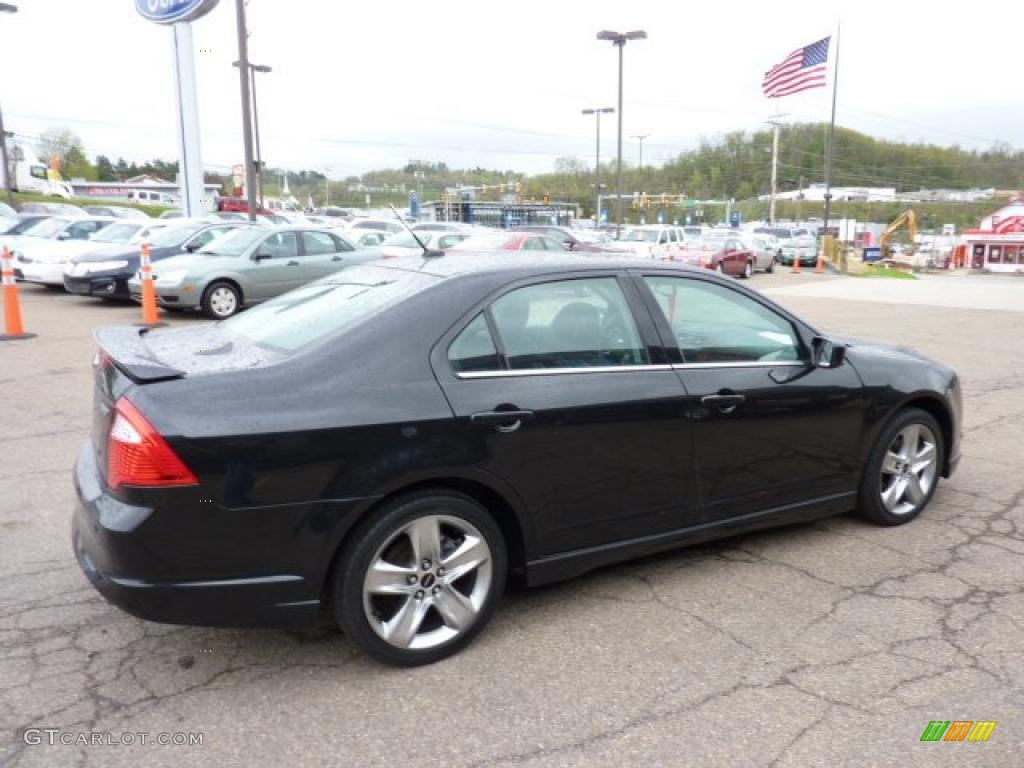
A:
[907, 218]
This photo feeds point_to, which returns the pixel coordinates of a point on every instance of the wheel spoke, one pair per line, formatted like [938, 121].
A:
[911, 435]
[915, 492]
[402, 629]
[891, 463]
[924, 458]
[891, 496]
[425, 536]
[470, 555]
[455, 608]
[385, 578]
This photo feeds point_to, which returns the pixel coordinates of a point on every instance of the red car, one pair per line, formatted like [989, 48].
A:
[724, 254]
[573, 241]
[510, 241]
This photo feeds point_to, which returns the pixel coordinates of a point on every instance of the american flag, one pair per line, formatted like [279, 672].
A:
[803, 69]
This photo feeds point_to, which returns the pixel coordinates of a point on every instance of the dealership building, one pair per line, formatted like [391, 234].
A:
[997, 245]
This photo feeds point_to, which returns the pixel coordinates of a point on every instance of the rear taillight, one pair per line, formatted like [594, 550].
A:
[138, 455]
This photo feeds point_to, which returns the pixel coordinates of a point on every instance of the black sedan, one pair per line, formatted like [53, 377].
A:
[105, 273]
[384, 447]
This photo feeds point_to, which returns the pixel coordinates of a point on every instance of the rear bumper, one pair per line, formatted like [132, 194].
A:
[117, 555]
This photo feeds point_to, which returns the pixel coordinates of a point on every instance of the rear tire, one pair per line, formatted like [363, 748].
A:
[771, 266]
[903, 469]
[419, 579]
[221, 300]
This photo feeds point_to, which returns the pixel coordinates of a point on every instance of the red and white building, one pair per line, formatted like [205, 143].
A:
[998, 243]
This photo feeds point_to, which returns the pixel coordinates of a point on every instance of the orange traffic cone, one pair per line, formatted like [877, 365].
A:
[819, 269]
[149, 312]
[796, 264]
[13, 326]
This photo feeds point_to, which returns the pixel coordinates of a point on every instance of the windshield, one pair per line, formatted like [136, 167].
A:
[705, 244]
[483, 243]
[116, 233]
[174, 235]
[642, 236]
[326, 307]
[236, 242]
[46, 228]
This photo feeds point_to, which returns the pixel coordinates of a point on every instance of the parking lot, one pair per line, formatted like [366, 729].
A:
[833, 643]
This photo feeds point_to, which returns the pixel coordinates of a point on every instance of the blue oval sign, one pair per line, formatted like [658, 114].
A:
[172, 11]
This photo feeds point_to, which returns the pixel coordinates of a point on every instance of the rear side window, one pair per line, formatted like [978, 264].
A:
[568, 324]
[473, 349]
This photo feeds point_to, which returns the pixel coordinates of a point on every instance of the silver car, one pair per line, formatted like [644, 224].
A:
[247, 266]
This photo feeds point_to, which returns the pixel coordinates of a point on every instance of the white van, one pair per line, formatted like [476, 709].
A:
[146, 197]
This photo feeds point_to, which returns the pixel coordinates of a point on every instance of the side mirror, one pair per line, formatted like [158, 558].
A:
[260, 256]
[192, 247]
[63, 236]
[828, 354]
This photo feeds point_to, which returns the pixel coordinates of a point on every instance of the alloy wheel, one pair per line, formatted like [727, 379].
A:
[909, 469]
[428, 582]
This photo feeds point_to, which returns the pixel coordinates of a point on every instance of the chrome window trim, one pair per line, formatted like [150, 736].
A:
[559, 371]
[746, 364]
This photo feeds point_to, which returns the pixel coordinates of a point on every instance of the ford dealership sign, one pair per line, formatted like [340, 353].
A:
[171, 11]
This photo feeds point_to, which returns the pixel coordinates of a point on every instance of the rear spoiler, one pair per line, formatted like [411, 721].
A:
[127, 349]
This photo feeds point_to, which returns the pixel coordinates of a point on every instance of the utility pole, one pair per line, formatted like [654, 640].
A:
[775, 167]
[243, 77]
[800, 202]
[640, 163]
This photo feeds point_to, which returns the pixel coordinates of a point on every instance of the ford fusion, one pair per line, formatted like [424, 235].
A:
[384, 448]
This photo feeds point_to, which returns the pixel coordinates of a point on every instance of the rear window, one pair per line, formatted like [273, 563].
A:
[315, 311]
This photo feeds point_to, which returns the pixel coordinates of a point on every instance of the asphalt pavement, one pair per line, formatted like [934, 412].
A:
[829, 644]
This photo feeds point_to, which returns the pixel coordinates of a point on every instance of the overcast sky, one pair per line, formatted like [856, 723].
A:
[362, 85]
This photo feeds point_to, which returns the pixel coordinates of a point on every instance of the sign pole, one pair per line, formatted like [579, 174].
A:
[243, 79]
[190, 167]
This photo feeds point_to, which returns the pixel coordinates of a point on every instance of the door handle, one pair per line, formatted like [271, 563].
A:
[503, 421]
[337, 258]
[292, 264]
[723, 403]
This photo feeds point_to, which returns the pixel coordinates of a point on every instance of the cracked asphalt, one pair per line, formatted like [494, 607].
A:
[830, 644]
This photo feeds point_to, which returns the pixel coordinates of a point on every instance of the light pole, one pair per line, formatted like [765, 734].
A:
[597, 112]
[640, 138]
[243, 78]
[619, 40]
[8, 184]
[253, 69]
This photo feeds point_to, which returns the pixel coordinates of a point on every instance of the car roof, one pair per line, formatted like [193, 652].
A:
[526, 263]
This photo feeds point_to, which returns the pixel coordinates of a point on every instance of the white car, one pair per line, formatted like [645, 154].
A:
[381, 225]
[654, 241]
[42, 252]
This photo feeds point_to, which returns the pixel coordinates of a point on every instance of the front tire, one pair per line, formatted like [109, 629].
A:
[748, 270]
[903, 470]
[420, 579]
[771, 266]
[221, 300]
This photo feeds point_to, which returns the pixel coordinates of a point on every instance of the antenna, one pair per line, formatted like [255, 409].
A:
[427, 253]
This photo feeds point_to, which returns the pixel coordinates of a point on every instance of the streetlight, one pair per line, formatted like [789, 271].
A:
[619, 40]
[253, 69]
[8, 183]
[597, 112]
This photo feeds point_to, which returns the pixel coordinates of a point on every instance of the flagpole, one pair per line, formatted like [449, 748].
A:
[831, 137]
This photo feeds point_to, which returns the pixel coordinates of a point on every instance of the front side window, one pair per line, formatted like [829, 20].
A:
[280, 245]
[714, 324]
[581, 323]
